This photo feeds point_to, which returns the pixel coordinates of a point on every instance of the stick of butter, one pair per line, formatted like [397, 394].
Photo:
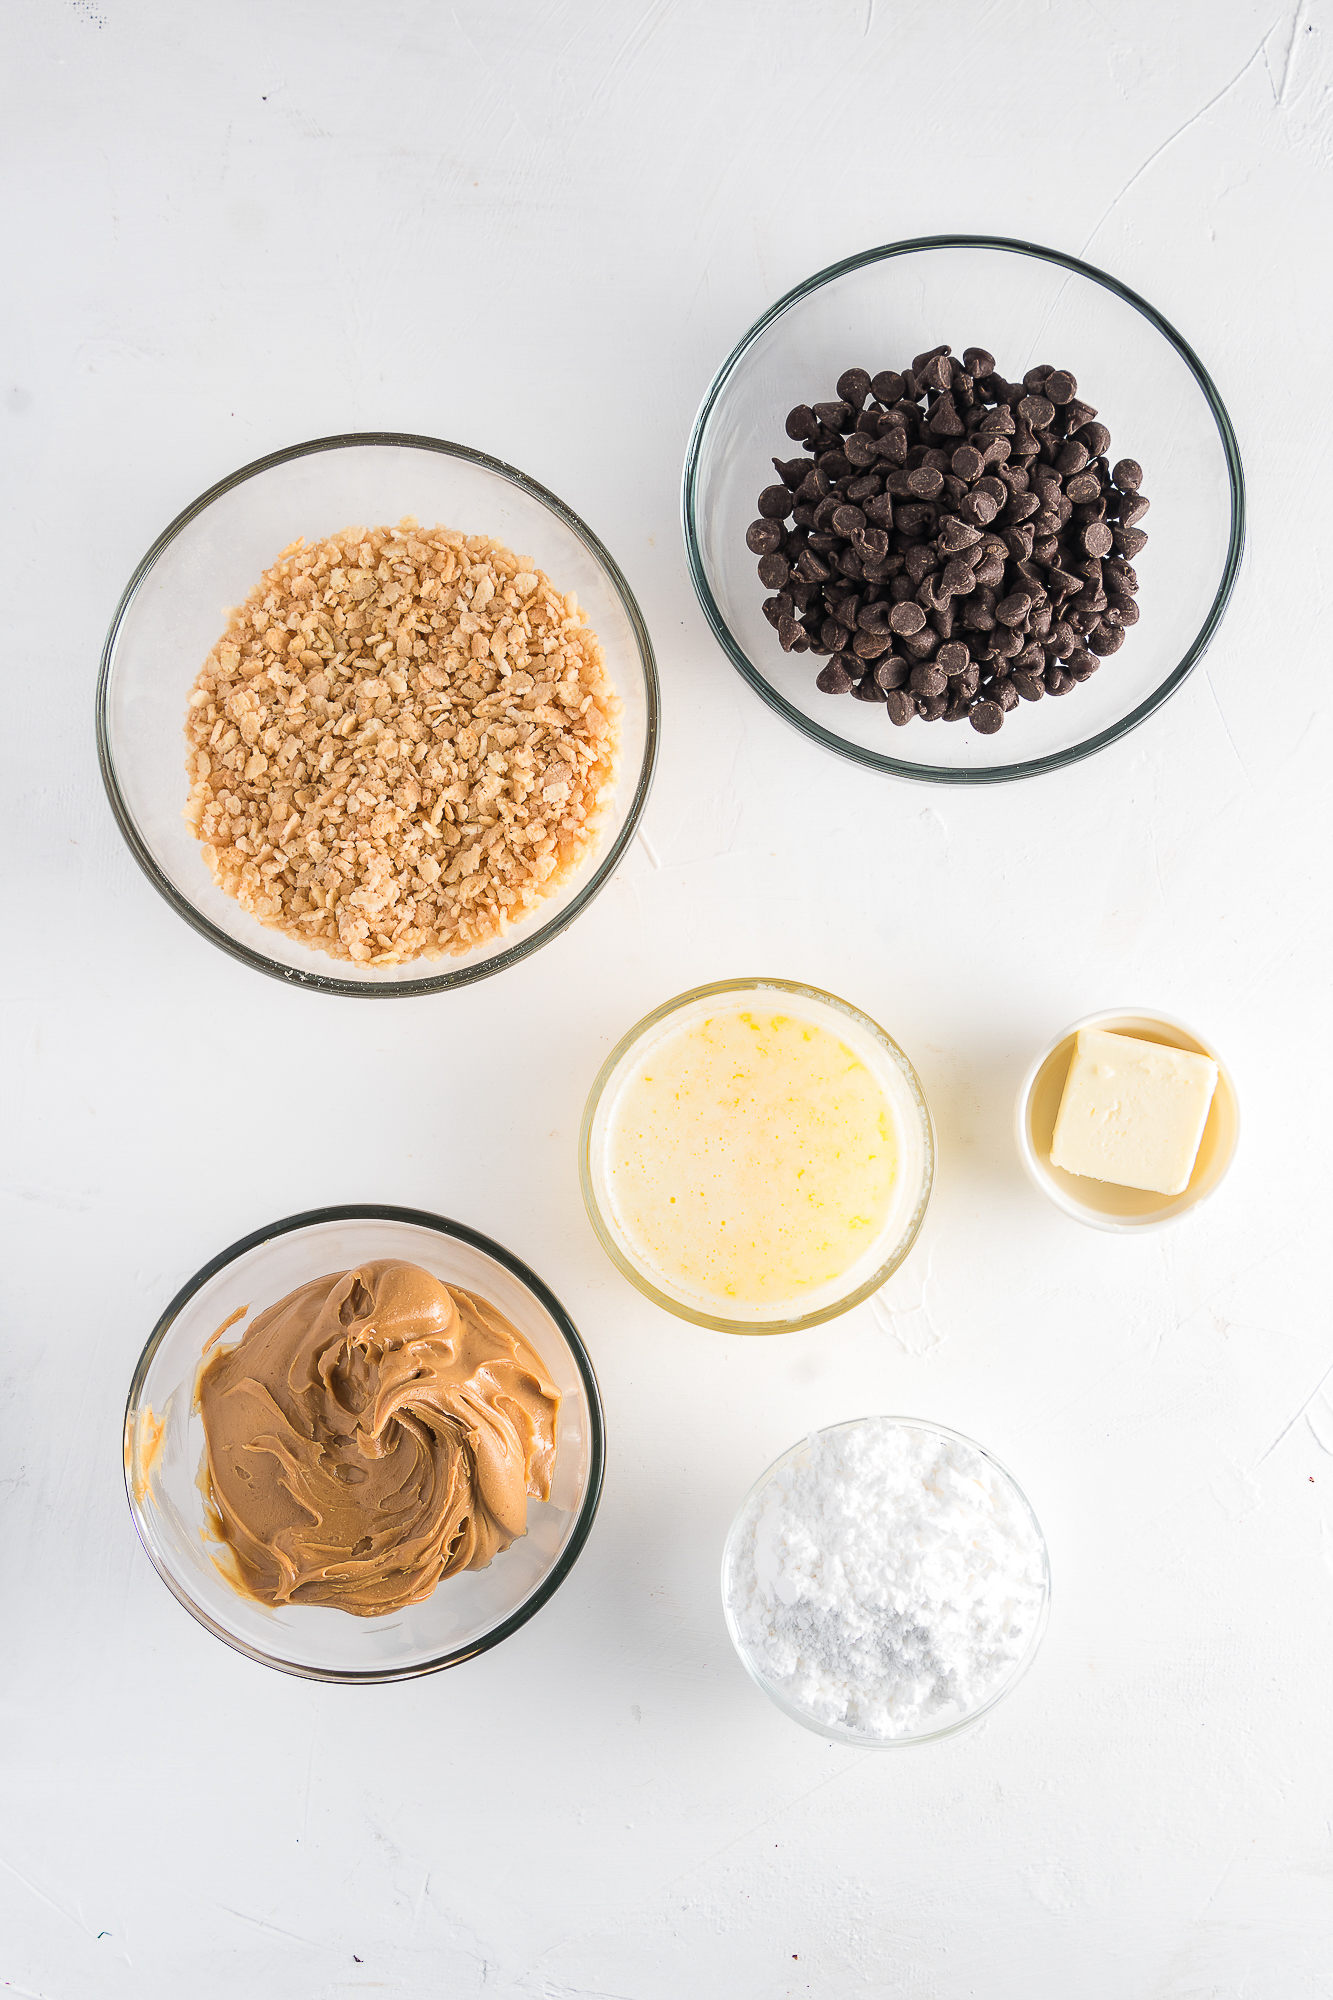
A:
[1133, 1112]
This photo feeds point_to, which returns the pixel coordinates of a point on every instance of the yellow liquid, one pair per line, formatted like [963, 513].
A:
[752, 1158]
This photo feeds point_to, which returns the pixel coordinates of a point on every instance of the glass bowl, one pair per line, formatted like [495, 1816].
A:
[903, 1085]
[1027, 306]
[836, 1732]
[164, 1444]
[1102, 1204]
[174, 608]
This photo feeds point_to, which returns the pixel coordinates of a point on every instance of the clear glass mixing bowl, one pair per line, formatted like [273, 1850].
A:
[174, 608]
[1027, 306]
[164, 1444]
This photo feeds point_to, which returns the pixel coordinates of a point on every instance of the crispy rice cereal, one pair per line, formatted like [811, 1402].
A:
[403, 740]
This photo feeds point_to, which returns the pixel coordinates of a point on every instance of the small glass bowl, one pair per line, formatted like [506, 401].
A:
[601, 1102]
[164, 1446]
[1028, 306]
[838, 1732]
[174, 608]
[1102, 1204]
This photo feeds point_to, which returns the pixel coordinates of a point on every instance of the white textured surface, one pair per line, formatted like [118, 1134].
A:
[538, 229]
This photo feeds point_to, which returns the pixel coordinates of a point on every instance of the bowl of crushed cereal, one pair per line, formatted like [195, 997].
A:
[378, 714]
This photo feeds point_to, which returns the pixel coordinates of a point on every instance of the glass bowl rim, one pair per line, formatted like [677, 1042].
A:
[937, 773]
[443, 1226]
[713, 1320]
[832, 1732]
[604, 860]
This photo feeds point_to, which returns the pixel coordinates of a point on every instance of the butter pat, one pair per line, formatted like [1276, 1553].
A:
[1133, 1112]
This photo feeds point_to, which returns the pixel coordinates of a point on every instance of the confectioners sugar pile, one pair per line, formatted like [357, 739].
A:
[890, 1582]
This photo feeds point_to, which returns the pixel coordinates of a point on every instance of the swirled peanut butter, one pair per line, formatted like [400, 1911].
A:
[372, 1433]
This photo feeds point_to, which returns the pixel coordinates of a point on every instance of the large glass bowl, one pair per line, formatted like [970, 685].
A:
[174, 608]
[881, 1053]
[164, 1444]
[839, 1732]
[1027, 306]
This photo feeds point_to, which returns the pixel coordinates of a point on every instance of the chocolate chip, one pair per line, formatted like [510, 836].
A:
[773, 572]
[834, 679]
[789, 632]
[978, 363]
[763, 537]
[775, 502]
[925, 482]
[977, 508]
[1106, 639]
[892, 672]
[1059, 388]
[1057, 681]
[967, 462]
[1029, 685]
[854, 386]
[886, 387]
[1133, 509]
[1096, 437]
[1036, 411]
[1127, 474]
[1096, 539]
[900, 705]
[987, 717]
[801, 422]
[907, 618]
[931, 707]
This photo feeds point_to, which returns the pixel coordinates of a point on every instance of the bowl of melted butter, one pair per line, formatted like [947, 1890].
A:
[757, 1155]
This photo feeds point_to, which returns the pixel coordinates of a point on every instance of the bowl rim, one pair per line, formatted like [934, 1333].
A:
[461, 1232]
[1116, 1225]
[937, 773]
[602, 1229]
[604, 860]
[833, 1732]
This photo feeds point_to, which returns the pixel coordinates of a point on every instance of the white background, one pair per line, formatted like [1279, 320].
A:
[538, 229]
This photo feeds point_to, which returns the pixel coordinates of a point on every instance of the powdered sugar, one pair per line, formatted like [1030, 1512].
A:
[888, 1580]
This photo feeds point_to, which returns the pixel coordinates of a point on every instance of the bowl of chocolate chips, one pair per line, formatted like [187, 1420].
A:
[958, 562]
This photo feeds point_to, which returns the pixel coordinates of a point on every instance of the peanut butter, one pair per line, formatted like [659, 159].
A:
[372, 1433]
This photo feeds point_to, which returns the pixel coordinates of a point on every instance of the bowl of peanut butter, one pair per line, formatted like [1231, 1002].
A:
[363, 1444]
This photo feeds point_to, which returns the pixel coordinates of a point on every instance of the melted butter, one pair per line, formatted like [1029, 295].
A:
[752, 1158]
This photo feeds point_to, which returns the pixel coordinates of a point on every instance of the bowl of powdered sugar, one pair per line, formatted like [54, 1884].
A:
[886, 1582]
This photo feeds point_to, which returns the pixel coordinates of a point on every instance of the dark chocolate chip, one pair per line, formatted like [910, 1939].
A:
[775, 502]
[1127, 474]
[1096, 539]
[1059, 388]
[986, 717]
[763, 537]
[834, 679]
[907, 618]
[854, 386]
[773, 572]
[900, 706]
